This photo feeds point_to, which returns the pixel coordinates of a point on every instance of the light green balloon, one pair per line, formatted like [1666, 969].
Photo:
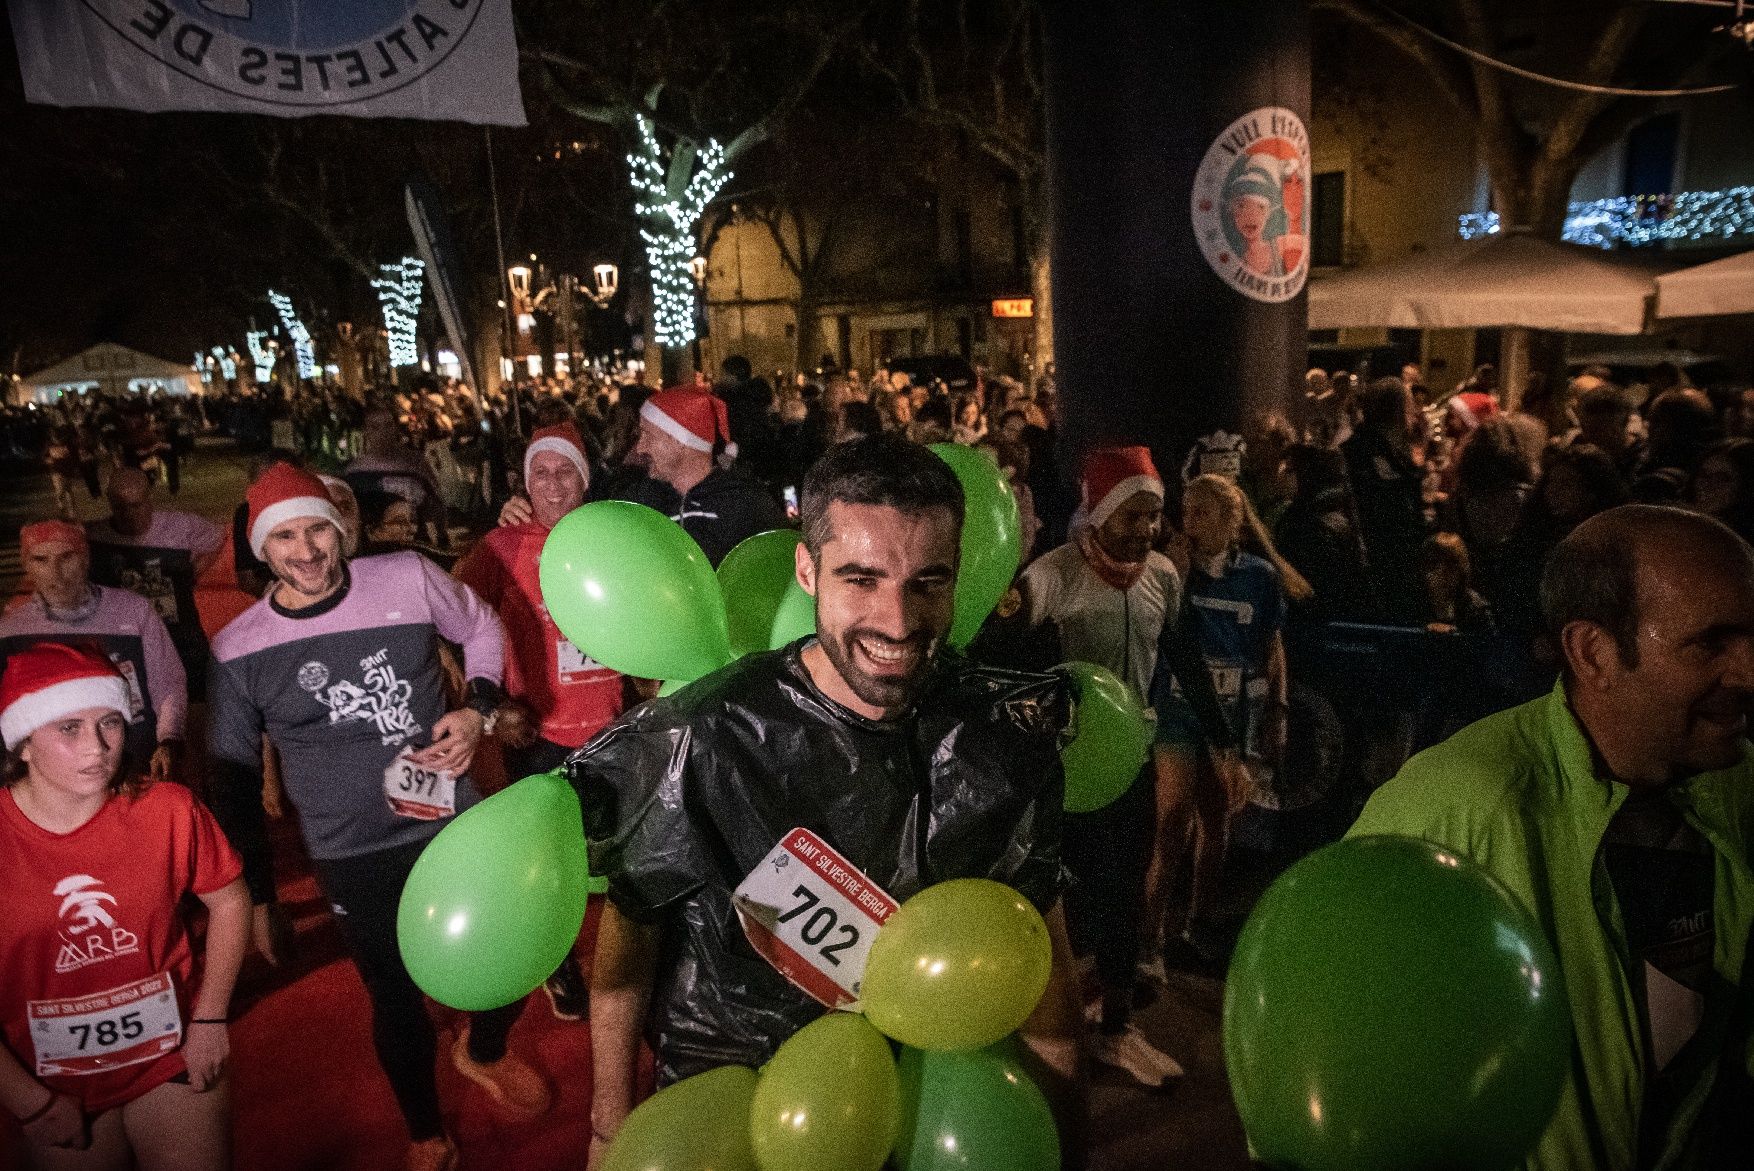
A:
[494, 902]
[828, 1100]
[992, 538]
[699, 1124]
[628, 587]
[764, 604]
[958, 966]
[1111, 742]
[973, 1111]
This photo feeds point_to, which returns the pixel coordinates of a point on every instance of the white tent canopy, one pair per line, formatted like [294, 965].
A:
[1490, 283]
[1708, 290]
[113, 369]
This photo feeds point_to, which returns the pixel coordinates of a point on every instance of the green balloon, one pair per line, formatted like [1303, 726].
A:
[1390, 1005]
[1110, 743]
[992, 538]
[973, 1111]
[828, 1100]
[699, 1124]
[494, 902]
[958, 966]
[628, 587]
[764, 603]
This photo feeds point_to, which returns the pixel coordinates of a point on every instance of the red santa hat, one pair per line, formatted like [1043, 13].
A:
[50, 681]
[1467, 410]
[693, 417]
[1114, 475]
[562, 439]
[284, 493]
[50, 532]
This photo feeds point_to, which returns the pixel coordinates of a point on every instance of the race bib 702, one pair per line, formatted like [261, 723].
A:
[812, 915]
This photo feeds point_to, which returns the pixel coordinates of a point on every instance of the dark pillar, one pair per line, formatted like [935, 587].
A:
[1180, 193]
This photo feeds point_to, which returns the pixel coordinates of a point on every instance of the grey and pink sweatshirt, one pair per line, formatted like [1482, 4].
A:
[126, 629]
[341, 689]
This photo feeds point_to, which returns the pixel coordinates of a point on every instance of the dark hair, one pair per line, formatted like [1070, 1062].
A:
[1739, 454]
[1383, 405]
[1592, 576]
[738, 367]
[1603, 400]
[374, 504]
[1491, 458]
[1595, 467]
[861, 418]
[882, 469]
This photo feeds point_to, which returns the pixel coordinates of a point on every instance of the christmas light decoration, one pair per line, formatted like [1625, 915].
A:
[228, 363]
[399, 293]
[262, 353]
[668, 217]
[295, 329]
[204, 367]
[1638, 220]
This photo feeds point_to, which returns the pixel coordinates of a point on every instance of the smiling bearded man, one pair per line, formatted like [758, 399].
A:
[910, 764]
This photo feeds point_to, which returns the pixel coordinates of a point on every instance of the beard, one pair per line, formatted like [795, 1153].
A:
[895, 691]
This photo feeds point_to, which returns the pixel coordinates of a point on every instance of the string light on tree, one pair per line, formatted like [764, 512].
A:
[262, 353]
[1645, 219]
[399, 293]
[295, 329]
[228, 363]
[669, 204]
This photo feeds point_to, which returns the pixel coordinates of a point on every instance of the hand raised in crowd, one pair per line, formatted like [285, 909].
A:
[454, 739]
[206, 1049]
[516, 511]
[62, 1125]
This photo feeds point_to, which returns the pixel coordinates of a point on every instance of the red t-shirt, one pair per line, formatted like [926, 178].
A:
[91, 933]
[573, 694]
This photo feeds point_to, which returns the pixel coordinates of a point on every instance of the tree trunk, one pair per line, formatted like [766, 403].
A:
[673, 363]
[1537, 204]
[1041, 287]
[804, 309]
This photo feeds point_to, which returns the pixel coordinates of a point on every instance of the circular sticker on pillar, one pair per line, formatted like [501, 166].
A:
[1251, 204]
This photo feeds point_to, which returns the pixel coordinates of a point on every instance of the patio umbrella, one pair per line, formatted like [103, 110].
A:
[1708, 290]
[1497, 281]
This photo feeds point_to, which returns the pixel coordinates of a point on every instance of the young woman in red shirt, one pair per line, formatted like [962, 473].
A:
[115, 1049]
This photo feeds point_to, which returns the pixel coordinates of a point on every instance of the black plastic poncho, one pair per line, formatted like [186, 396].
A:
[686, 795]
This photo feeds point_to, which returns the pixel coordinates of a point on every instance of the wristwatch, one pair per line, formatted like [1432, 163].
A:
[485, 698]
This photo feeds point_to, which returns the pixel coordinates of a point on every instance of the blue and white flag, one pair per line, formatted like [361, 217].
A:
[453, 60]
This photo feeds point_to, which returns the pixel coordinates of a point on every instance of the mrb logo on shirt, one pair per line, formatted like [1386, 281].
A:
[89, 932]
[381, 696]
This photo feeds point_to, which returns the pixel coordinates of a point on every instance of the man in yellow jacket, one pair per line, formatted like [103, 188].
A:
[1620, 810]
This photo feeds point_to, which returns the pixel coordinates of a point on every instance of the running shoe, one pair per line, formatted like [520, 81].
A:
[1129, 1052]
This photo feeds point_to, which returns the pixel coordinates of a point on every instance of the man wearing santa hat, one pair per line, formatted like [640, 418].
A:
[1108, 596]
[685, 441]
[559, 696]
[65, 606]
[339, 664]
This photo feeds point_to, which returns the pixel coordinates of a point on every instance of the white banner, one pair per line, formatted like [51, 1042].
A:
[440, 59]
